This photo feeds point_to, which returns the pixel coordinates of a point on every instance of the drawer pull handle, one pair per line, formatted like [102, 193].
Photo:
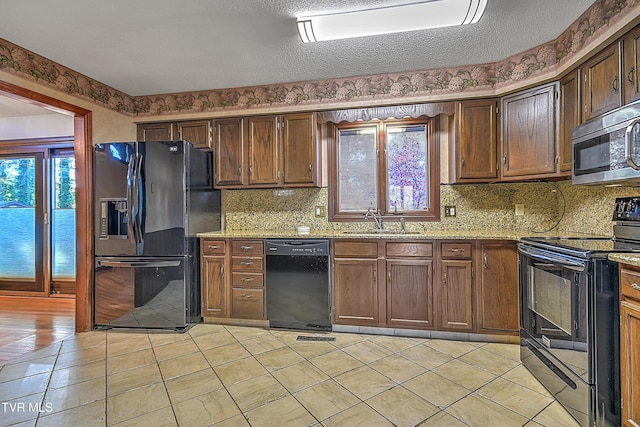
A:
[246, 262]
[213, 247]
[247, 279]
[247, 296]
[456, 250]
[246, 248]
[635, 286]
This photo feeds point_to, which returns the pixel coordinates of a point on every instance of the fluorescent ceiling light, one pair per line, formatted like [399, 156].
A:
[391, 19]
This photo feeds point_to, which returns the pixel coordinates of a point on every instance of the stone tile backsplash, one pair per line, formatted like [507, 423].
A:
[488, 208]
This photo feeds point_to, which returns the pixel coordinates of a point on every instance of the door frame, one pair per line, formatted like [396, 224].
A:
[82, 143]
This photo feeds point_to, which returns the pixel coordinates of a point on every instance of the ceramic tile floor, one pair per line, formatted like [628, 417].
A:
[240, 376]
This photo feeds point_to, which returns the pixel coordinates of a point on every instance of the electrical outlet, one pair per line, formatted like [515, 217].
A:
[519, 209]
[320, 212]
[450, 211]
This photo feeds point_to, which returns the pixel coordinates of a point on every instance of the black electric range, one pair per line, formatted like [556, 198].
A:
[569, 315]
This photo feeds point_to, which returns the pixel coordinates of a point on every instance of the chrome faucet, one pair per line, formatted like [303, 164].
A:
[376, 216]
[402, 226]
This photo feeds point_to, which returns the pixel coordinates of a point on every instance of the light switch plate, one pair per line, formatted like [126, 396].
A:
[519, 209]
[449, 211]
[320, 212]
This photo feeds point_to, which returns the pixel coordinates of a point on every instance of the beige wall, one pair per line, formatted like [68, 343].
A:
[108, 125]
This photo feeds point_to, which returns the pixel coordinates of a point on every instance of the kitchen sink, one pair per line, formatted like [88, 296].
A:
[377, 231]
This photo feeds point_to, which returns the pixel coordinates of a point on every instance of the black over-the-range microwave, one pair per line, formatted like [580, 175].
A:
[606, 149]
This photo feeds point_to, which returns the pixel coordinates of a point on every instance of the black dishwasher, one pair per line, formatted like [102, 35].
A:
[297, 284]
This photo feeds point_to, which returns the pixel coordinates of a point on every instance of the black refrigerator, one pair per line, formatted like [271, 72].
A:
[150, 201]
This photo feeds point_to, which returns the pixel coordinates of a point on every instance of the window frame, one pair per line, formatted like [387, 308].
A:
[433, 173]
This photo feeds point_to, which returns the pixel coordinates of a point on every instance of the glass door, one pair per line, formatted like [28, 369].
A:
[62, 188]
[22, 222]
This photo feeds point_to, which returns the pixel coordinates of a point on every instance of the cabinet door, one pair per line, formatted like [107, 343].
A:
[569, 118]
[214, 287]
[410, 293]
[601, 83]
[456, 295]
[230, 153]
[155, 131]
[299, 150]
[631, 63]
[498, 288]
[630, 362]
[196, 132]
[529, 133]
[355, 292]
[264, 169]
[476, 141]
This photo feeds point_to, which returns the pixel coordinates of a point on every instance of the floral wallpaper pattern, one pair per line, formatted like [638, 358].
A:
[418, 86]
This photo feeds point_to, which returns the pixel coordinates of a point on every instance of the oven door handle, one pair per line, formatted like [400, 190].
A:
[550, 260]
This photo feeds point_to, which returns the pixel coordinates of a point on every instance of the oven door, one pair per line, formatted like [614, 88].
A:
[555, 301]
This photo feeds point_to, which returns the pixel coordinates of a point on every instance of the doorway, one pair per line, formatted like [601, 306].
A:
[83, 211]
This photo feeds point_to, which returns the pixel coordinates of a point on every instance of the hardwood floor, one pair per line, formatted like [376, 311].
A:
[30, 323]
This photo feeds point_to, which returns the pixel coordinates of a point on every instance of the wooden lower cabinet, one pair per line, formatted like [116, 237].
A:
[214, 289]
[630, 345]
[214, 285]
[247, 279]
[410, 293]
[497, 287]
[355, 291]
[456, 295]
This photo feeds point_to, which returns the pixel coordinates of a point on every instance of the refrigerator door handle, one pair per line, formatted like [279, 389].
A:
[130, 196]
[139, 263]
[139, 191]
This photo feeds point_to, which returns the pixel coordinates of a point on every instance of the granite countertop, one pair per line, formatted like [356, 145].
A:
[626, 258]
[335, 234]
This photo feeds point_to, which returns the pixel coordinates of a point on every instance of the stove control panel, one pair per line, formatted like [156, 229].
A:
[626, 209]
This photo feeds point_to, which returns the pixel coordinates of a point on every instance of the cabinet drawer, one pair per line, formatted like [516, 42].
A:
[355, 249]
[212, 247]
[247, 303]
[247, 263]
[247, 247]
[409, 249]
[247, 279]
[630, 283]
[456, 251]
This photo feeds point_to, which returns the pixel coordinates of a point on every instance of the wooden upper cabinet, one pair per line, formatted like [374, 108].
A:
[476, 140]
[230, 156]
[156, 131]
[262, 135]
[197, 132]
[569, 106]
[601, 83]
[631, 65]
[299, 150]
[529, 133]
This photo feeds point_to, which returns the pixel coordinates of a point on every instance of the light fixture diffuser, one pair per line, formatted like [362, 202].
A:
[391, 19]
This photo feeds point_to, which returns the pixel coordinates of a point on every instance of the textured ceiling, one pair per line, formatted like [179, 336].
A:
[145, 47]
